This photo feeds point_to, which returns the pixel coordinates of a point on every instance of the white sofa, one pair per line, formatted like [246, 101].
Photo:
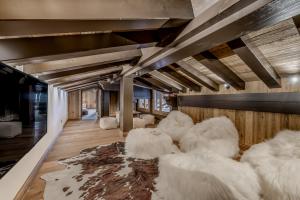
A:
[10, 129]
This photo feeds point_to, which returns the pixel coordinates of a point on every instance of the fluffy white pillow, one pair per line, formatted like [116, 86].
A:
[205, 176]
[176, 124]
[148, 143]
[216, 134]
[277, 162]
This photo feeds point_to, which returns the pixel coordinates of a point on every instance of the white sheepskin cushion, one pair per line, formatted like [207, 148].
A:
[108, 123]
[139, 123]
[149, 119]
[277, 162]
[148, 143]
[205, 176]
[176, 124]
[216, 134]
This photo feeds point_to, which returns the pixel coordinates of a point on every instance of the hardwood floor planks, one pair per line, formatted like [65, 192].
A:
[77, 135]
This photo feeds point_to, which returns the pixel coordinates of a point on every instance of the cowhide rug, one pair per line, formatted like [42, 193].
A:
[104, 173]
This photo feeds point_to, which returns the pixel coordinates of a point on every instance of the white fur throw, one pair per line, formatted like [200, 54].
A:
[138, 123]
[206, 176]
[277, 163]
[216, 134]
[148, 143]
[108, 123]
[149, 119]
[176, 124]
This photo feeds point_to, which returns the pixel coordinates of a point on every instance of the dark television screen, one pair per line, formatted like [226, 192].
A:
[23, 115]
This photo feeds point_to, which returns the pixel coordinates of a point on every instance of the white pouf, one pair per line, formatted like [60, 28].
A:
[277, 163]
[108, 123]
[216, 134]
[139, 123]
[149, 119]
[207, 177]
[10, 129]
[176, 124]
[147, 143]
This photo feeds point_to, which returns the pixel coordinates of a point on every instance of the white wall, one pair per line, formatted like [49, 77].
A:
[12, 182]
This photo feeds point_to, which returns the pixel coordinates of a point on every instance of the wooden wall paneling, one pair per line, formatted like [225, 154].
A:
[253, 127]
[74, 105]
[105, 103]
[113, 103]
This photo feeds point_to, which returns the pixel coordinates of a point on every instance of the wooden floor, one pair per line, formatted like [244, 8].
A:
[77, 135]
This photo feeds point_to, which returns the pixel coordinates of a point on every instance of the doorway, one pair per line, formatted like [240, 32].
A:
[89, 104]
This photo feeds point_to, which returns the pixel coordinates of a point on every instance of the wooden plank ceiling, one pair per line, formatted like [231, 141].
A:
[169, 45]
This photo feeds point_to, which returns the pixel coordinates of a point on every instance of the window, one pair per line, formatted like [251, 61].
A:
[143, 103]
[160, 103]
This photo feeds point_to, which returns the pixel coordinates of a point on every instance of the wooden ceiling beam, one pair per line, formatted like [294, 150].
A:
[239, 19]
[42, 49]
[81, 86]
[73, 83]
[256, 61]
[172, 74]
[84, 88]
[213, 64]
[164, 79]
[95, 9]
[81, 62]
[79, 71]
[196, 75]
[159, 84]
[97, 73]
[142, 81]
[41, 28]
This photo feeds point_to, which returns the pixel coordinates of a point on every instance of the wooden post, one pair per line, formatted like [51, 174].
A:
[126, 95]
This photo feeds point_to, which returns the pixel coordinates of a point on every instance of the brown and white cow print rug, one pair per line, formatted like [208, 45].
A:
[103, 173]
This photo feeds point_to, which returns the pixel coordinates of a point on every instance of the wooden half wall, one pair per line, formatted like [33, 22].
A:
[258, 112]
[253, 127]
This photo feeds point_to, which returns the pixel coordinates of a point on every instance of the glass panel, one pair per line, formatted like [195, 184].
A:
[157, 101]
[146, 103]
[141, 103]
[165, 106]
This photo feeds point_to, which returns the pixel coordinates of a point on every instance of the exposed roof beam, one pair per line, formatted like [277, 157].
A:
[241, 18]
[84, 88]
[78, 71]
[159, 84]
[95, 9]
[82, 85]
[85, 75]
[164, 79]
[172, 74]
[74, 83]
[82, 62]
[196, 75]
[256, 61]
[41, 28]
[141, 80]
[41, 49]
[213, 64]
